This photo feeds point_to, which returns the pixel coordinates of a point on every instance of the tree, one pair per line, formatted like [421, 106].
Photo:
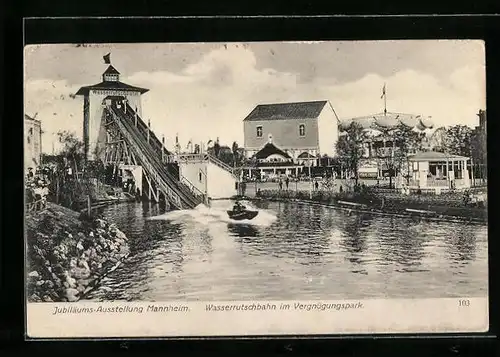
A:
[393, 160]
[236, 156]
[72, 149]
[217, 148]
[72, 155]
[436, 141]
[350, 149]
[458, 140]
[407, 141]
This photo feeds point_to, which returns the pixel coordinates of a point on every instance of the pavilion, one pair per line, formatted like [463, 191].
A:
[438, 171]
[272, 160]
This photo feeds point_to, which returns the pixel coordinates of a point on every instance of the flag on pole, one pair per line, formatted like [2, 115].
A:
[107, 58]
[383, 92]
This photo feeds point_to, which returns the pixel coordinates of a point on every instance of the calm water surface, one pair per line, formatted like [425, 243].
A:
[292, 251]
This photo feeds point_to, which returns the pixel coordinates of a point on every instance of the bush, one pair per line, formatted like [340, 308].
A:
[365, 197]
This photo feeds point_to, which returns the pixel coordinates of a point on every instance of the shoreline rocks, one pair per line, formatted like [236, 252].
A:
[62, 264]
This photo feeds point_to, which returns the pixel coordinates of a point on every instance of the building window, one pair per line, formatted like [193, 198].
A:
[302, 130]
[31, 131]
[200, 177]
[259, 131]
[29, 140]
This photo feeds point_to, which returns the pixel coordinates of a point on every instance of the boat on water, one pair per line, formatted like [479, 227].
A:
[240, 212]
[238, 216]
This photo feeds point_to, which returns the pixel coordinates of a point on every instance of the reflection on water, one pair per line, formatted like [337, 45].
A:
[292, 251]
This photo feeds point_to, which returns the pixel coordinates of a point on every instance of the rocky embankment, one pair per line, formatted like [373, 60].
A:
[68, 254]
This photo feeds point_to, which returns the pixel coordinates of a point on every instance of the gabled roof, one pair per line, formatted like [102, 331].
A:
[305, 155]
[435, 156]
[280, 111]
[110, 86]
[270, 149]
[111, 70]
[27, 117]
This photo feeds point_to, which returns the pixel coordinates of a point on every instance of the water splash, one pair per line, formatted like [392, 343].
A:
[217, 213]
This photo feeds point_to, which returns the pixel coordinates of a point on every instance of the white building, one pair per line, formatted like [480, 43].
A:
[93, 96]
[32, 142]
[303, 130]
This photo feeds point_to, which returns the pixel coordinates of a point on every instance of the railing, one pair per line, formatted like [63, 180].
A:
[185, 191]
[36, 206]
[145, 161]
[192, 187]
[413, 183]
[219, 163]
[143, 128]
[193, 158]
[189, 158]
[437, 183]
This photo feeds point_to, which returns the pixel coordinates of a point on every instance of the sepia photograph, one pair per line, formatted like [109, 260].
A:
[255, 188]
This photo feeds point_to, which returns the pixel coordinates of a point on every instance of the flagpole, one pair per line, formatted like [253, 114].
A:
[385, 100]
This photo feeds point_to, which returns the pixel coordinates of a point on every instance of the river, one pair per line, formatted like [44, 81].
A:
[291, 251]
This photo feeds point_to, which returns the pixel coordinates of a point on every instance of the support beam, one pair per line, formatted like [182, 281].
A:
[149, 129]
[115, 154]
[115, 142]
[151, 192]
[111, 154]
[132, 155]
[106, 154]
[127, 153]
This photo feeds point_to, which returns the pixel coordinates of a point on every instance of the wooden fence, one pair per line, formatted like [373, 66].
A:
[36, 206]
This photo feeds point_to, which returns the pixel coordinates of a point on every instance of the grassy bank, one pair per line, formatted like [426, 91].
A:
[443, 205]
[68, 253]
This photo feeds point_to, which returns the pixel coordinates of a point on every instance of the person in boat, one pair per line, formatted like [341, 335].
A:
[238, 207]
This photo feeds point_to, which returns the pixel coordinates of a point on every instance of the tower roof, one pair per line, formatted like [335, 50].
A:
[117, 85]
[111, 70]
[108, 84]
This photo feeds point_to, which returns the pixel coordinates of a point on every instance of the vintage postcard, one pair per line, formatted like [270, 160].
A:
[247, 189]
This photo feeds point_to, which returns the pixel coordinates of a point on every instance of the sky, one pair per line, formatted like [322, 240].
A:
[202, 91]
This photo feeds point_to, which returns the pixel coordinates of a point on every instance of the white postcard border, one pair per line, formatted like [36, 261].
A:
[170, 319]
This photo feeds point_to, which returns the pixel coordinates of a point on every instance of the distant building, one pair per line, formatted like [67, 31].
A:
[437, 171]
[302, 130]
[378, 127]
[271, 160]
[380, 144]
[479, 147]
[32, 142]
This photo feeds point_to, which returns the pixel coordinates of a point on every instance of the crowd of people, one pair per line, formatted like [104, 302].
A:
[36, 186]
